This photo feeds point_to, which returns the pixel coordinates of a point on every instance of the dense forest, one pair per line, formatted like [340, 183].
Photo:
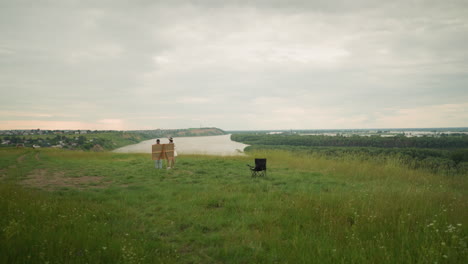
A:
[400, 141]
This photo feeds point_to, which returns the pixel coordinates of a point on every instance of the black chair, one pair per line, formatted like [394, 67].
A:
[259, 169]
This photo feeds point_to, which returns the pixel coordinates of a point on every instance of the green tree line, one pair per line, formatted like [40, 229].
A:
[443, 142]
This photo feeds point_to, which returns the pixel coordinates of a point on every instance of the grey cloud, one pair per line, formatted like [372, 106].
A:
[135, 59]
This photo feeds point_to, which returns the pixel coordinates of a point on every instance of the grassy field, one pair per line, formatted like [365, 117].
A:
[60, 206]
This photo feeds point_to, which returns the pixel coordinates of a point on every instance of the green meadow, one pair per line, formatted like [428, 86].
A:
[59, 206]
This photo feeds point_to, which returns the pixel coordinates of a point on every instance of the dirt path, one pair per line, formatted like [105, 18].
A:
[21, 158]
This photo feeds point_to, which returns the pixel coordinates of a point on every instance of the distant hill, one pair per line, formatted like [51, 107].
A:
[188, 132]
[193, 132]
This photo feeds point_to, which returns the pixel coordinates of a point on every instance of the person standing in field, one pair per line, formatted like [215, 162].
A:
[171, 161]
[158, 163]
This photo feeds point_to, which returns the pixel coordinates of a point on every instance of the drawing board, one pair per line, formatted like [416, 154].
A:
[162, 151]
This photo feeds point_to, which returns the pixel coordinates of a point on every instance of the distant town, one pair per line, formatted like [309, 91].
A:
[96, 140]
[37, 138]
[27, 132]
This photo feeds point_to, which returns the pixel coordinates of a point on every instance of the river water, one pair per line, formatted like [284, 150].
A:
[209, 145]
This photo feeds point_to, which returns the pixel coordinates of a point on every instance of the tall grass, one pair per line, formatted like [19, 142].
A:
[309, 209]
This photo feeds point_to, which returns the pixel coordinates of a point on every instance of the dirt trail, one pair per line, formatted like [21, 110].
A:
[21, 158]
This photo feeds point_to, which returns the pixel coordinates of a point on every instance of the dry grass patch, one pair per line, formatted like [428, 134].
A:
[43, 179]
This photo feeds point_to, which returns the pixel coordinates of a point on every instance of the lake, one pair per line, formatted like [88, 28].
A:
[209, 145]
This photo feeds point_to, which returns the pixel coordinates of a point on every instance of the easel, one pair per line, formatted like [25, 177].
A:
[163, 151]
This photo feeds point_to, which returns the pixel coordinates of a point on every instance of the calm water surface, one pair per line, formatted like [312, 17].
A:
[210, 145]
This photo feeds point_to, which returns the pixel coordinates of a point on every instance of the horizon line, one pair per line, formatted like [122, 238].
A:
[275, 129]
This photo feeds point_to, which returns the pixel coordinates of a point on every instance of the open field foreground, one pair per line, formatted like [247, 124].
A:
[60, 206]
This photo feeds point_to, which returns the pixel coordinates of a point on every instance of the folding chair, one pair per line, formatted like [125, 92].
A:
[259, 169]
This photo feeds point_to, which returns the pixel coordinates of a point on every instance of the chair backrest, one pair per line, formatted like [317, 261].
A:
[260, 164]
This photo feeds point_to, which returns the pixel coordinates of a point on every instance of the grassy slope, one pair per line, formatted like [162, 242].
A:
[209, 210]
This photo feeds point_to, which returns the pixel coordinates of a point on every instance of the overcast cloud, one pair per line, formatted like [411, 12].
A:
[233, 64]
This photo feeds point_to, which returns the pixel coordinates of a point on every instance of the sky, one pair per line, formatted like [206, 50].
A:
[235, 65]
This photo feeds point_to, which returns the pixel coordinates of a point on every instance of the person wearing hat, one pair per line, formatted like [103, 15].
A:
[158, 164]
[171, 161]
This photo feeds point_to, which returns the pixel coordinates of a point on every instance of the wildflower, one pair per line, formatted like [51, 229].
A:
[450, 229]
[104, 248]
